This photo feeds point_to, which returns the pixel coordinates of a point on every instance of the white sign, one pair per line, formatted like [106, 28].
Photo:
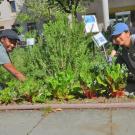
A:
[99, 39]
[30, 41]
[90, 23]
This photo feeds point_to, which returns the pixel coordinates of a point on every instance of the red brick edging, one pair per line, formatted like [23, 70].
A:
[69, 106]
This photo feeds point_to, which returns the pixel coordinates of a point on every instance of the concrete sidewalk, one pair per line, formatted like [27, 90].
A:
[68, 122]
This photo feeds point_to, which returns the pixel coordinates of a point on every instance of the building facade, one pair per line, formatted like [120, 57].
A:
[8, 12]
[116, 8]
[103, 9]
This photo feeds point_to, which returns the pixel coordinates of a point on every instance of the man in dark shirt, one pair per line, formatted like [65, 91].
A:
[122, 37]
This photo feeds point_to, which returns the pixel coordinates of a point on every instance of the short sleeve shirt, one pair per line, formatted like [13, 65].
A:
[4, 58]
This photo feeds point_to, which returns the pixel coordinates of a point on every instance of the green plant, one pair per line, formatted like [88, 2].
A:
[33, 91]
[7, 96]
[65, 47]
[112, 79]
[63, 67]
[31, 34]
[61, 85]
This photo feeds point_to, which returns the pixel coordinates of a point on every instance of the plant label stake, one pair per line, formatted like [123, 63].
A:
[100, 41]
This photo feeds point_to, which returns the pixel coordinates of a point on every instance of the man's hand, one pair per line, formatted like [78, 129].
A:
[10, 67]
[113, 53]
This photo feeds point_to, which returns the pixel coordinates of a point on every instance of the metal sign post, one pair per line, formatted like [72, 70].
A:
[100, 41]
[106, 57]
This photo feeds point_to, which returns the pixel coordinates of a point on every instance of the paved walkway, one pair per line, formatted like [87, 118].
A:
[68, 122]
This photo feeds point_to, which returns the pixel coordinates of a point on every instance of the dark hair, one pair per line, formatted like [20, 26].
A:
[126, 31]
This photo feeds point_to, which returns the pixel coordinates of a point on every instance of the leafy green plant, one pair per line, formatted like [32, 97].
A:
[7, 96]
[112, 78]
[30, 90]
[61, 85]
[65, 47]
[62, 67]
[33, 91]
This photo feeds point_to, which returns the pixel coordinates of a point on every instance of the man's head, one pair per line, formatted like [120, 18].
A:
[9, 39]
[121, 35]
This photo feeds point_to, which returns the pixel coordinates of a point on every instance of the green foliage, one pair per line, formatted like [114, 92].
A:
[45, 9]
[111, 79]
[86, 77]
[29, 60]
[7, 96]
[103, 78]
[65, 48]
[54, 65]
[23, 17]
[61, 85]
[37, 9]
[30, 90]
[60, 67]
[68, 6]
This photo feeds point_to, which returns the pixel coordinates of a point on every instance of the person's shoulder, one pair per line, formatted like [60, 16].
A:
[2, 49]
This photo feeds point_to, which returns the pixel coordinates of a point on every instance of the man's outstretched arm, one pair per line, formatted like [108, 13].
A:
[10, 67]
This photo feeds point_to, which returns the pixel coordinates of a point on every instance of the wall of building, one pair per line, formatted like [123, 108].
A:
[97, 9]
[120, 3]
[96, 6]
[7, 17]
[114, 6]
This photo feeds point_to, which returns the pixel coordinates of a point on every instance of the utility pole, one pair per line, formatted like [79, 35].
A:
[105, 9]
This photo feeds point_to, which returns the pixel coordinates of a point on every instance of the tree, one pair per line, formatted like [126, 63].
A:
[68, 6]
[37, 9]
[43, 8]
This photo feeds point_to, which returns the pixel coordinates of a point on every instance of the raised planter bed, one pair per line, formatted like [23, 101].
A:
[97, 103]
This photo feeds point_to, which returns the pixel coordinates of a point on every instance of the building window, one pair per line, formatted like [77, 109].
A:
[31, 26]
[13, 6]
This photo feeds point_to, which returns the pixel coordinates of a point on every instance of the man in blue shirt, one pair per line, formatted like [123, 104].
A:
[8, 41]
